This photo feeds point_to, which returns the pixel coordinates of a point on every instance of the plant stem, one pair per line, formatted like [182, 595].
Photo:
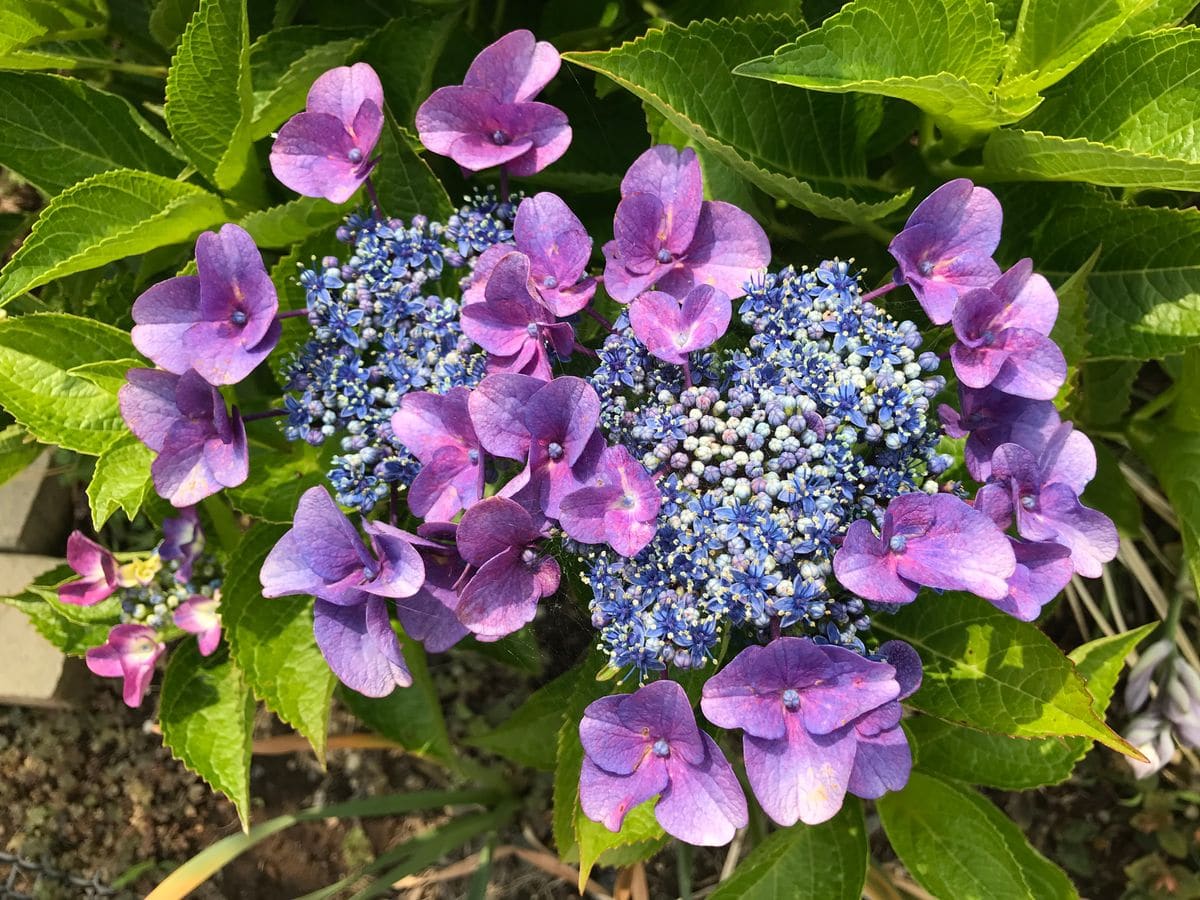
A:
[592, 314]
[370, 186]
[292, 313]
[503, 184]
[265, 414]
[683, 856]
[878, 292]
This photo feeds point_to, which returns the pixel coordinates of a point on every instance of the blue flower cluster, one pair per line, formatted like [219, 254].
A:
[385, 322]
[819, 419]
[156, 596]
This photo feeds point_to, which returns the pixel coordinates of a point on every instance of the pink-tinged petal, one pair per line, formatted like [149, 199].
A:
[446, 484]
[703, 804]
[532, 361]
[286, 569]
[800, 777]
[350, 645]
[401, 569]
[570, 300]
[850, 687]
[582, 513]
[1068, 458]
[502, 597]
[233, 277]
[491, 527]
[1043, 570]
[163, 314]
[1034, 366]
[622, 283]
[134, 649]
[104, 661]
[229, 460]
[990, 418]
[995, 502]
[976, 367]
[556, 243]
[640, 233]
[564, 411]
[379, 627]
[497, 408]
[673, 176]
[95, 565]
[728, 248]
[484, 263]
[1030, 302]
[545, 128]
[747, 692]
[661, 709]
[609, 742]
[501, 327]
[706, 312]
[198, 615]
[209, 641]
[514, 68]
[429, 615]
[560, 336]
[882, 763]
[476, 152]
[147, 404]
[865, 566]
[226, 358]
[137, 681]
[509, 280]
[180, 472]
[341, 92]
[657, 322]
[1059, 516]
[452, 116]
[427, 422]
[312, 156]
[606, 798]
[334, 547]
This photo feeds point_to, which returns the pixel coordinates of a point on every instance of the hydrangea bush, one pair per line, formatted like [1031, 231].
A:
[780, 476]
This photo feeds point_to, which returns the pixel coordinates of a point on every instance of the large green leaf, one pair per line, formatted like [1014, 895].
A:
[207, 716]
[640, 833]
[569, 754]
[408, 77]
[120, 480]
[1015, 764]
[276, 481]
[405, 183]
[169, 19]
[1124, 117]
[38, 390]
[805, 862]
[1154, 14]
[750, 125]
[286, 224]
[58, 131]
[17, 451]
[944, 56]
[1174, 455]
[210, 101]
[523, 736]
[958, 845]
[986, 670]
[104, 218]
[272, 642]
[39, 603]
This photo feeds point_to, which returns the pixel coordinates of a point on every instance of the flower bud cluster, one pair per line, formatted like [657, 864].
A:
[818, 420]
[157, 592]
[384, 324]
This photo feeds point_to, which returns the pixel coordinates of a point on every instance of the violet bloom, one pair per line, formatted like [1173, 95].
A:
[323, 555]
[96, 568]
[619, 507]
[549, 425]
[798, 703]
[183, 542]
[937, 541]
[1003, 336]
[220, 322]
[1041, 488]
[431, 614]
[201, 446]
[491, 119]
[130, 653]
[498, 536]
[1043, 570]
[989, 418]
[325, 151]
[646, 743]
[671, 329]
[513, 325]
[946, 246]
[437, 430]
[666, 235]
[198, 615]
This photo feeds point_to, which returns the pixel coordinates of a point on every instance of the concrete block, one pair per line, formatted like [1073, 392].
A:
[35, 510]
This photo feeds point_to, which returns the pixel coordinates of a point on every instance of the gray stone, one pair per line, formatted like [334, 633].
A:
[35, 510]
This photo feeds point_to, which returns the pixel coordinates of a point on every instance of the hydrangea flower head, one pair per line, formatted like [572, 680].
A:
[96, 568]
[491, 118]
[437, 430]
[667, 236]
[646, 743]
[130, 653]
[672, 329]
[220, 322]
[947, 244]
[198, 615]
[201, 446]
[325, 151]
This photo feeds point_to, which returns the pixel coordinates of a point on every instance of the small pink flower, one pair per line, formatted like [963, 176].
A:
[96, 568]
[198, 615]
[131, 653]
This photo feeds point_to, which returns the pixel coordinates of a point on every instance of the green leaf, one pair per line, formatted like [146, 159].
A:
[524, 737]
[25, 22]
[405, 183]
[272, 642]
[284, 225]
[38, 602]
[569, 754]
[277, 479]
[120, 480]
[17, 451]
[1070, 330]
[1101, 393]
[408, 77]
[1123, 118]
[1155, 14]
[209, 98]
[108, 374]
[169, 19]
[105, 218]
[1174, 455]
[285, 62]
[411, 716]
[944, 56]
[640, 829]
[957, 844]
[58, 131]
[750, 125]
[986, 670]
[805, 862]
[37, 389]
[1014, 764]
[207, 716]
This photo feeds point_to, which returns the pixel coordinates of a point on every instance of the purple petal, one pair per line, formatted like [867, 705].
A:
[640, 232]
[335, 550]
[564, 411]
[286, 569]
[198, 615]
[702, 804]
[502, 597]
[1034, 366]
[582, 513]
[514, 68]
[1059, 516]
[1029, 300]
[180, 471]
[992, 418]
[1068, 457]
[864, 566]
[907, 663]
[446, 484]
[147, 404]
[163, 315]
[484, 263]
[622, 283]
[229, 460]
[497, 408]
[491, 527]
[460, 121]
[429, 615]
[673, 177]
[401, 570]
[657, 322]
[1043, 570]
[851, 687]
[882, 763]
[545, 127]
[747, 692]
[96, 568]
[311, 155]
[358, 653]
[606, 798]
[233, 277]
[609, 741]
[501, 327]
[556, 243]
[341, 92]
[427, 422]
[728, 247]
[661, 709]
[800, 777]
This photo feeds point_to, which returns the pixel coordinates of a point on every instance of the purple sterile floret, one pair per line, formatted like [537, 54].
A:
[437, 430]
[1003, 336]
[499, 538]
[220, 322]
[96, 568]
[130, 653]
[430, 615]
[947, 244]
[1043, 570]
[809, 712]
[646, 743]
[198, 615]
[558, 247]
[183, 541]
[323, 555]
[927, 540]
[988, 417]
[671, 329]
[513, 324]
[619, 507]
[1040, 486]
[667, 236]
[325, 151]
[490, 119]
[201, 446]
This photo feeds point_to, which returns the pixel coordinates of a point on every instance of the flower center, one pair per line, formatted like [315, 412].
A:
[238, 317]
[661, 749]
[791, 700]
[628, 501]
[898, 543]
[989, 338]
[1028, 502]
[664, 256]
[925, 267]
[554, 450]
[528, 557]
[531, 329]
[355, 155]
[499, 138]
[550, 282]
[473, 456]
